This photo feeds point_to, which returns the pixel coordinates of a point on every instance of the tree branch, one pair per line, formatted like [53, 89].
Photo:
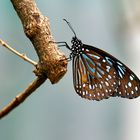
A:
[52, 63]
[21, 97]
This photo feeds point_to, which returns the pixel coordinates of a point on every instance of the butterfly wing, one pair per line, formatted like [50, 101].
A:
[98, 75]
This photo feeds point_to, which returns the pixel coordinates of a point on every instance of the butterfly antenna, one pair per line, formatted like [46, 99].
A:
[70, 26]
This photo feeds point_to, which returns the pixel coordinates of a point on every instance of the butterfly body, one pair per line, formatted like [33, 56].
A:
[98, 75]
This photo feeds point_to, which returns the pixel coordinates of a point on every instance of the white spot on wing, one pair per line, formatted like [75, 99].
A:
[90, 87]
[109, 76]
[106, 83]
[126, 86]
[114, 83]
[83, 49]
[132, 92]
[86, 92]
[128, 94]
[136, 88]
[106, 90]
[100, 86]
[84, 85]
[129, 84]
[83, 93]
[110, 90]
[108, 68]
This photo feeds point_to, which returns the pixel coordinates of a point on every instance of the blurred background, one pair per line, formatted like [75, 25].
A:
[56, 112]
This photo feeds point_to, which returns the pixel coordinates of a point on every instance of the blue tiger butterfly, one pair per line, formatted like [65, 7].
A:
[98, 75]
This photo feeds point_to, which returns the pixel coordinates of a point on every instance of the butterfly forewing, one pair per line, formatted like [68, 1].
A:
[98, 75]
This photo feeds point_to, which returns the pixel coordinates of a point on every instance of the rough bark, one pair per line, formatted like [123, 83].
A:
[52, 63]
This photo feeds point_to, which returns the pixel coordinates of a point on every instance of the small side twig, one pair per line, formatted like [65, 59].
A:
[23, 56]
[21, 97]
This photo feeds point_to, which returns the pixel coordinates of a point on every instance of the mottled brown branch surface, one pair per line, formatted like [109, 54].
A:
[52, 63]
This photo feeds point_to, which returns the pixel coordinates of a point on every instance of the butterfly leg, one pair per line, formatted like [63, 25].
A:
[70, 57]
[61, 44]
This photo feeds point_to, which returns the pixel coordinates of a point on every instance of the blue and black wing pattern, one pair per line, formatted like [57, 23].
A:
[98, 75]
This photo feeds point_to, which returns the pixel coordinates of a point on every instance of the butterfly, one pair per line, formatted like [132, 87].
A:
[97, 74]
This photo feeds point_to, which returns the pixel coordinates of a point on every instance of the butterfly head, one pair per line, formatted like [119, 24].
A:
[76, 42]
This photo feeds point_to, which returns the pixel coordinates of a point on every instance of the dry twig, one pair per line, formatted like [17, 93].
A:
[23, 56]
[21, 97]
